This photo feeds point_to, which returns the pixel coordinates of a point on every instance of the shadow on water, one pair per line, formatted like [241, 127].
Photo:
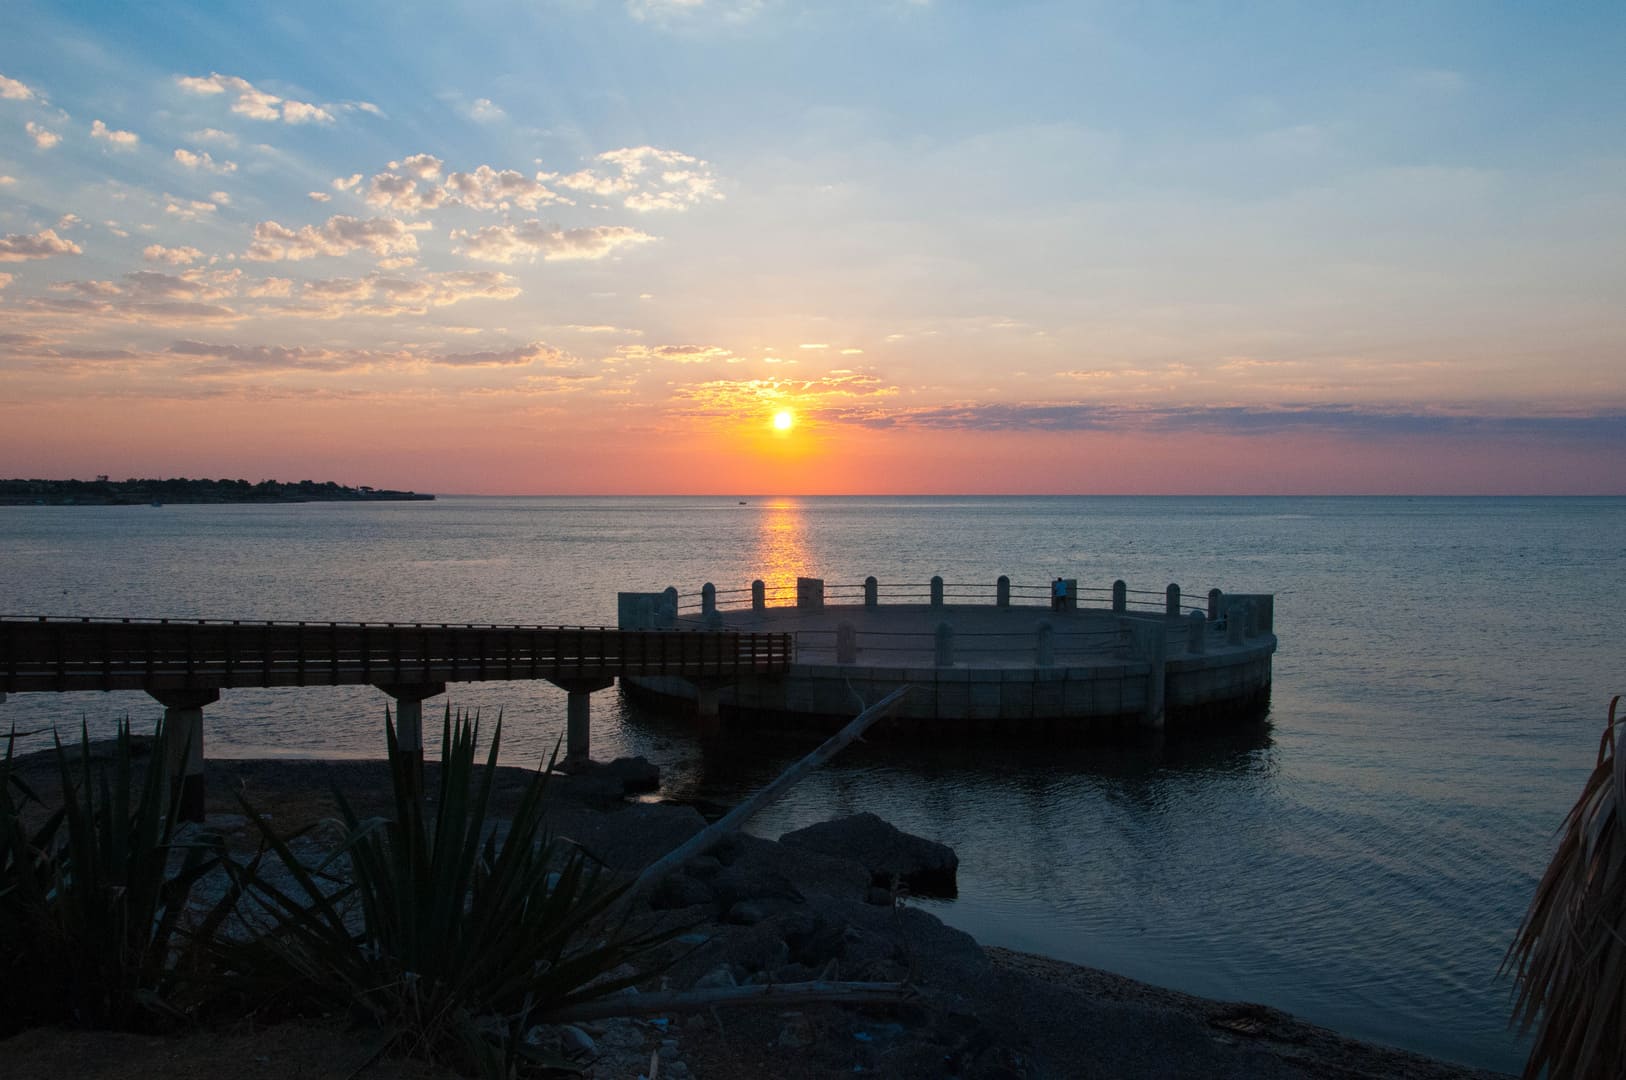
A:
[715, 773]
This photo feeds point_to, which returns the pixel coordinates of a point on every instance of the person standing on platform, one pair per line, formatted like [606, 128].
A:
[1058, 595]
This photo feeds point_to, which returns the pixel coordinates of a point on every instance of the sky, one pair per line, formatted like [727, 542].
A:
[596, 246]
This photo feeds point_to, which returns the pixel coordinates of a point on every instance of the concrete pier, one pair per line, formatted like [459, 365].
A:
[1115, 658]
[183, 745]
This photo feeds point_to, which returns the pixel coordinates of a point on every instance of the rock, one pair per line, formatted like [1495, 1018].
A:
[747, 913]
[637, 774]
[796, 1033]
[631, 837]
[925, 866]
[577, 1043]
[807, 872]
[716, 979]
[679, 891]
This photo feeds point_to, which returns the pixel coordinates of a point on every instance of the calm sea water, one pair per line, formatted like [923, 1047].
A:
[1362, 860]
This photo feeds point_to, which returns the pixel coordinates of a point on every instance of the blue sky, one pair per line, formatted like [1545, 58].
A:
[1302, 232]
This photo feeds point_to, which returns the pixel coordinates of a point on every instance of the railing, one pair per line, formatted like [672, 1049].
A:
[891, 592]
[137, 654]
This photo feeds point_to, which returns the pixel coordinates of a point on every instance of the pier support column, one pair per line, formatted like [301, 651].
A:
[846, 643]
[668, 607]
[937, 590]
[1171, 600]
[1044, 644]
[708, 599]
[183, 747]
[1002, 592]
[708, 705]
[759, 596]
[578, 715]
[1120, 597]
[1215, 597]
[409, 698]
[872, 592]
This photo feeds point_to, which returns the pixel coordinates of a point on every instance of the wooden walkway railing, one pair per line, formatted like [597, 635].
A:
[47, 654]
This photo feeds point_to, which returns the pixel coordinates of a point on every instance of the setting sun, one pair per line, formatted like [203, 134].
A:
[784, 421]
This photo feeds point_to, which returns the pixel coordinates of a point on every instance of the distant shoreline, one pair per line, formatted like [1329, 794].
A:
[133, 492]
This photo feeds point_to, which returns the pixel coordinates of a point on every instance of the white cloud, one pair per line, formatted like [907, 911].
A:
[382, 295]
[12, 90]
[345, 183]
[339, 235]
[647, 178]
[19, 247]
[392, 191]
[174, 256]
[186, 209]
[318, 196]
[42, 138]
[490, 189]
[505, 243]
[485, 111]
[271, 286]
[122, 140]
[6, 279]
[7, 180]
[220, 198]
[204, 161]
[213, 135]
[257, 104]
[423, 166]
[677, 354]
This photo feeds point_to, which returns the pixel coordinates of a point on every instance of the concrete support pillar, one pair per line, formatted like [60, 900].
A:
[810, 593]
[183, 747]
[1171, 600]
[872, 592]
[937, 590]
[759, 596]
[1002, 592]
[1196, 633]
[846, 643]
[707, 708]
[944, 642]
[1236, 623]
[409, 699]
[669, 606]
[1044, 644]
[1155, 644]
[1120, 597]
[579, 715]
[1214, 601]
[708, 598]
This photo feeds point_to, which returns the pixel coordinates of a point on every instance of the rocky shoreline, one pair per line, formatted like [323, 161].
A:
[825, 903]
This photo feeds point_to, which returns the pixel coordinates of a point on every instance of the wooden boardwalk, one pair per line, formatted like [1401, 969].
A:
[159, 655]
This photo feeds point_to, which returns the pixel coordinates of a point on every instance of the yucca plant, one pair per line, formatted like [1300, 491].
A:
[463, 941]
[1569, 956]
[91, 913]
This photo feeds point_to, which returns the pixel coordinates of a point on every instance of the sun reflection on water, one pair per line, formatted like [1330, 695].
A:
[781, 553]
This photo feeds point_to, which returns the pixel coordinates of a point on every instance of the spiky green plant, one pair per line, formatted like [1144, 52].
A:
[91, 913]
[1569, 956]
[463, 941]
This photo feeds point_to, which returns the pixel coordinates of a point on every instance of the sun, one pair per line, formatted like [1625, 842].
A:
[784, 420]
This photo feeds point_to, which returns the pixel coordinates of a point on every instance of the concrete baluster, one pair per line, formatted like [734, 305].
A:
[1236, 623]
[944, 642]
[183, 747]
[937, 590]
[1044, 644]
[872, 592]
[810, 593]
[1171, 600]
[759, 596]
[669, 606]
[708, 598]
[1196, 633]
[1215, 599]
[846, 643]
[1002, 592]
[1120, 597]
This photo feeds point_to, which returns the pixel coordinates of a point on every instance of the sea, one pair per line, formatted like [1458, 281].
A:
[1362, 858]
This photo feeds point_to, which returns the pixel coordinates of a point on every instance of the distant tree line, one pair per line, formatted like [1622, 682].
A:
[105, 492]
